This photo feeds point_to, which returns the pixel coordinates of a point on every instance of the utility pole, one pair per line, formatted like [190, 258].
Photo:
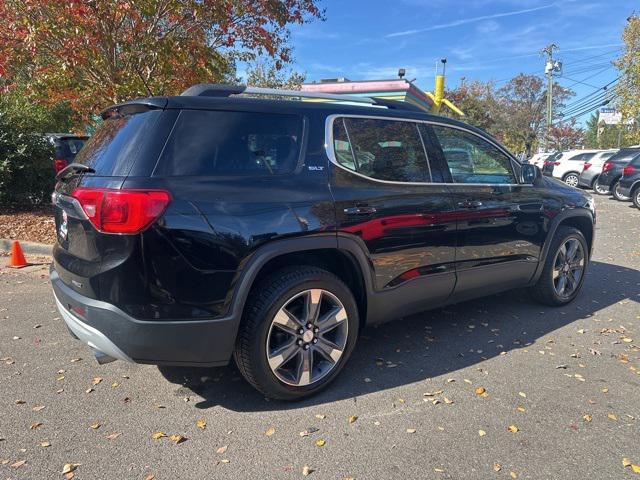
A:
[550, 66]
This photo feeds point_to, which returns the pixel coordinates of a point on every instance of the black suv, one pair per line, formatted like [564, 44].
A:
[612, 171]
[196, 228]
[629, 185]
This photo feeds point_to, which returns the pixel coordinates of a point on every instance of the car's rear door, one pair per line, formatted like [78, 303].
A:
[499, 220]
[391, 201]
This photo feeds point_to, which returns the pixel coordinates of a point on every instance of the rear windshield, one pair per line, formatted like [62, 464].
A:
[231, 143]
[68, 147]
[112, 149]
[624, 155]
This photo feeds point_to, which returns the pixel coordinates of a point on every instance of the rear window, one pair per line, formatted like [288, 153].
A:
[112, 149]
[231, 143]
[68, 147]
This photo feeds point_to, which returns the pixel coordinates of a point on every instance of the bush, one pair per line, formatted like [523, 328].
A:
[27, 176]
[26, 165]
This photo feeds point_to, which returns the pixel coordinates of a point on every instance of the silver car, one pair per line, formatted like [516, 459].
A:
[592, 170]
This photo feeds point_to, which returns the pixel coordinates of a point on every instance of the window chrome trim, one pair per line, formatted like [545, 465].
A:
[329, 148]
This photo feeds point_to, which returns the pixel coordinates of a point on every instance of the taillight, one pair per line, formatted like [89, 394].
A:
[628, 170]
[607, 166]
[586, 166]
[59, 164]
[122, 211]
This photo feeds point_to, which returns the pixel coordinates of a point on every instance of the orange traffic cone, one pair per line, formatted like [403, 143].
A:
[17, 257]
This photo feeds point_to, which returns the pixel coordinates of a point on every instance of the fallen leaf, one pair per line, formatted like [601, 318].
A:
[158, 435]
[513, 474]
[96, 380]
[95, 426]
[411, 430]
[481, 392]
[321, 417]
[522, 394]
[306, 471]
[45, 444]
[626, 462]
[497, 467]
[627, 339]
[69, 467]
[482, 433]
[587, 418]
[113, 436]
[38, 408]
[521, 409]
[201, 424]
[60, 378]
[115, 385]
[222, 450]
[353, 418]
[612, 416]
[74, 360]
[270, 431]
[320, 443]
[88, 390]
[151, 476]
[512, 428]
[20, 402]
[177, 439]
[35, 425]
[18, 464]
[635, 468]
[439, 470]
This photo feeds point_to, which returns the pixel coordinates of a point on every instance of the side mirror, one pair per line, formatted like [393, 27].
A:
[530, 173]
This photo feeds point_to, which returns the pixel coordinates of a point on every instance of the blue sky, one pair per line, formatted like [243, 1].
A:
[482, 39]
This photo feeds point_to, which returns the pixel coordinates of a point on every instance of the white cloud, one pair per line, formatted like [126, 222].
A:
[465, 21]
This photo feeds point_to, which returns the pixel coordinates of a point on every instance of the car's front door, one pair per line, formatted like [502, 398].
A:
[500, 221]
[387, 199]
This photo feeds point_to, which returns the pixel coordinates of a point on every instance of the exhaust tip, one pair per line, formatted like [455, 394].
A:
[102, 357]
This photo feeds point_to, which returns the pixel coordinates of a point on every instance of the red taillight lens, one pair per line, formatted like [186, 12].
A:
[122, 211]
[607, 166]
[628, 170]
[59, 164]
[586, 166]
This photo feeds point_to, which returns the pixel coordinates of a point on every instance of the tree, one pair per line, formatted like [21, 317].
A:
[628, 88]
[95, 53]
[265, 73]
[564, 136]
[523, 103]
[478, 102]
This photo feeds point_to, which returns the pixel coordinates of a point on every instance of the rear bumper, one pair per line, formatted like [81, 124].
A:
[110, 331]
[586, 181]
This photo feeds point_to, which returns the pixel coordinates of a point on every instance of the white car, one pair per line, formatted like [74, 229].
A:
[539, 158]
[568, 165]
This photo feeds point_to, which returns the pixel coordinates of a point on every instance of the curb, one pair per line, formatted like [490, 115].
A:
[31, 248]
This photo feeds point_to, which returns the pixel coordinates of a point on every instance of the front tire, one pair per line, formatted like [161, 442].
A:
[298, 330]
[571, 179]
[616, 193]
[564, 268]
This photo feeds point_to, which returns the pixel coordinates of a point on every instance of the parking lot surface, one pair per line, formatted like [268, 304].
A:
[499, 387]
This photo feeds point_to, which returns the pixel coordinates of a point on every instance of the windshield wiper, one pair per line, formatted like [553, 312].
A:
[73, 169]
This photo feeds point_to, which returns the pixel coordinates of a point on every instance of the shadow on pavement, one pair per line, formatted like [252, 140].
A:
[426, 345]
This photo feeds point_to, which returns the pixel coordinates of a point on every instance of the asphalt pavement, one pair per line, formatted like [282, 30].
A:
[495, 388]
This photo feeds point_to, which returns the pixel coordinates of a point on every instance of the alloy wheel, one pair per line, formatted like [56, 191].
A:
[307, 337]
[600, 189]
[571, 180]
[618, 195]
[568, 268]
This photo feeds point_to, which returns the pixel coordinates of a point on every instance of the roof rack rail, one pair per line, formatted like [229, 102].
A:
[221, 90]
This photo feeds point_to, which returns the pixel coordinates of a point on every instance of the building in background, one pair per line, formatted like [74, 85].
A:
[395, 89]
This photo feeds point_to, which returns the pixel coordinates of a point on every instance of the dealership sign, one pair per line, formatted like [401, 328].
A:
[611, 116]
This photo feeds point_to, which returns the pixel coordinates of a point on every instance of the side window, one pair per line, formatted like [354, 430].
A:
[472, 159]
[381, 149]
[232, 143]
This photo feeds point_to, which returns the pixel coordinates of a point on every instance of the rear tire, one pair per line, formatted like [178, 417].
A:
[635, 196]
[616, 193]
[571, 179]
[560, 269]
[270, 351]
[600, 189]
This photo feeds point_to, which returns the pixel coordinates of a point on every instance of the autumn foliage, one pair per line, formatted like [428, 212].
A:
[95, 53]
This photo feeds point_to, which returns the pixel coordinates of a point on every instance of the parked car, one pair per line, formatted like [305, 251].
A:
[539, 158]
[206, 226]
[567, 166]
[592, 169]
[612, 169]
[629, 185]
[67, 146]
